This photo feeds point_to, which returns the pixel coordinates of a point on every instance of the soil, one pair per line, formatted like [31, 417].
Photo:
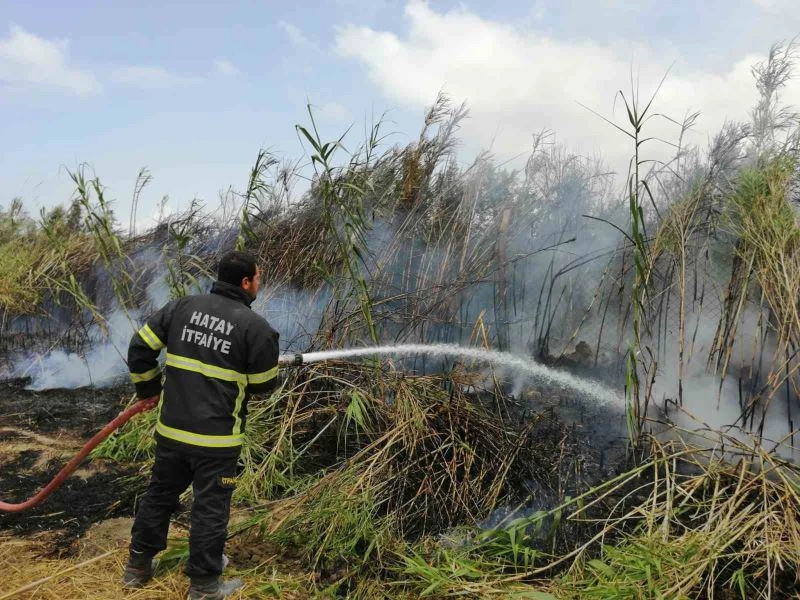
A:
[39, 433]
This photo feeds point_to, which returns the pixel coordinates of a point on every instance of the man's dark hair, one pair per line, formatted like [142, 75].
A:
[235, 266]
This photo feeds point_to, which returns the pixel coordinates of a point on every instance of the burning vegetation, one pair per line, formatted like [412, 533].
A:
[420, 476]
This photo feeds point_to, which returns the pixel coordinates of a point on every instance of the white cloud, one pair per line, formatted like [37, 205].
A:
[149, 77]
[27, 60]
[226, 68]
[296, 36]
[332, 111]
[519, 82]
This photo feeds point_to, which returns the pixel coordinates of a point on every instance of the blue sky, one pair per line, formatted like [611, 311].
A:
[192, 90]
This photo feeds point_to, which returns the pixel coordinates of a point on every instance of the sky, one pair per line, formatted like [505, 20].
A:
[193, 90]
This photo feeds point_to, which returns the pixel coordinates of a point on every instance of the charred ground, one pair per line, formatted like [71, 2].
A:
[39, 433]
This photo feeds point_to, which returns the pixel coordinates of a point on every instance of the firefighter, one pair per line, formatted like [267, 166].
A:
[218, 352]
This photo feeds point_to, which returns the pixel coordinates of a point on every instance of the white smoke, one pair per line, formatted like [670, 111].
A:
[712, 403]
[103, 364]
[296, 315]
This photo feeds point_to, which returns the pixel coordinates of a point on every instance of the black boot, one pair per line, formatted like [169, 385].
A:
[138, 571]
[213, 588]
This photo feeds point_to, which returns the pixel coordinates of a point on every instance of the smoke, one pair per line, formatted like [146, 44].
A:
[547, 301]
[294, 314]
[712, 403]
[102, 365]
[158, 292]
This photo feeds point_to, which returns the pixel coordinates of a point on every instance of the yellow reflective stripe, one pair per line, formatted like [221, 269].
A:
[237, 409]
[263, 377]
[150, 338]
[146, 376]
[190, 364]
[153, 337]
[198, 439]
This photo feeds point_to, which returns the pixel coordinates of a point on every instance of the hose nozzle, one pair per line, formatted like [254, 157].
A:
[290, 360]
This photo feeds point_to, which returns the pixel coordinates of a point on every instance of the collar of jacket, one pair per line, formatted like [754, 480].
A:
[231, 291]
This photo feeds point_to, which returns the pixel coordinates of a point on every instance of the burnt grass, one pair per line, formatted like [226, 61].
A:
[110, 489]
[81, 411]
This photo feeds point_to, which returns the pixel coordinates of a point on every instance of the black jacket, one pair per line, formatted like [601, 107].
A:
[218, 352]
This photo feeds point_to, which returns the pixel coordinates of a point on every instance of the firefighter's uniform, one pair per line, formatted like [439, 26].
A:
[218, 351]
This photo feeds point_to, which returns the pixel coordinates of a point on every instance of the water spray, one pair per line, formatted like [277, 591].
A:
[501, 359]
[504, 359]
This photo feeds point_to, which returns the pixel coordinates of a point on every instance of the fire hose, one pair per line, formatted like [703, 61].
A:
[69, 468]
[123, 417]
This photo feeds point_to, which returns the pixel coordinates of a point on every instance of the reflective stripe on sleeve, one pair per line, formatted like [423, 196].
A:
[146, 376]
[262, 377]
[150, 338]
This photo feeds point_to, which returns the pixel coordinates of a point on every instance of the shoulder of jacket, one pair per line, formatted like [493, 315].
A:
[201, 298]
[179, 301]
[258, 323]
[173, 304]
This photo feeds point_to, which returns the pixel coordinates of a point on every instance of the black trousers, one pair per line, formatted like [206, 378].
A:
[213, 481]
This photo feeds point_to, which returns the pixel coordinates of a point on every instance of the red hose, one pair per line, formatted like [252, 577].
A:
[69, 468]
